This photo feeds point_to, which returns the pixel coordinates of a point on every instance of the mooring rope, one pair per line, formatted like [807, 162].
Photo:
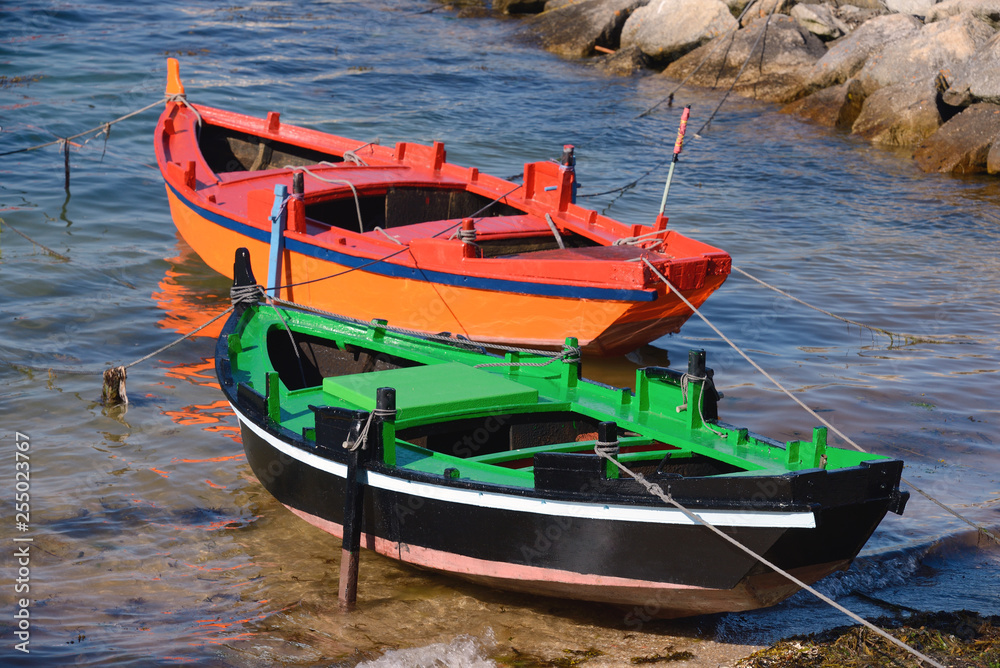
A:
[978, 527]
[890, 334]
[4, 223]
[362, 439]
[669, 98]
[102, 127]
[657, 491]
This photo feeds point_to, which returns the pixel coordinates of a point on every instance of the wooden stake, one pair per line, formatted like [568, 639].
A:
[354, 503]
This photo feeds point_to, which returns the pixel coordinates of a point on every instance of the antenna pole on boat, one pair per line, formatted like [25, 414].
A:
[678, 145]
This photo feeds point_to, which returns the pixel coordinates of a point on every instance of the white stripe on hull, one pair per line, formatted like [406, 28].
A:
[597, 511]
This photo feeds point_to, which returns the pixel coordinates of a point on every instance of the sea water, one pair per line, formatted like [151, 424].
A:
[152, 543]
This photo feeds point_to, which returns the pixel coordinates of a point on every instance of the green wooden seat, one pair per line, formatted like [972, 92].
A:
[434, 389]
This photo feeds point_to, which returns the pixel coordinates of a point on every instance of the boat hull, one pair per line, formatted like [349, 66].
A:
[617, 561]
[605, 321]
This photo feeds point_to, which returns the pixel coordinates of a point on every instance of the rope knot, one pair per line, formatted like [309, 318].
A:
[246, 294]
[467, 236]
[570, 354]
[606, 448]
[351, 156]
[361, 441]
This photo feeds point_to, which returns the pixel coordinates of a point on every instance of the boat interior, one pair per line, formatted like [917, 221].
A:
[387, 206]
[502, 445]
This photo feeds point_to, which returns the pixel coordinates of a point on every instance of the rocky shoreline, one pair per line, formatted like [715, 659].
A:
[918, 75]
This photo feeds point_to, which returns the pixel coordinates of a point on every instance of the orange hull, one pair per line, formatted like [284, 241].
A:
[395, 260]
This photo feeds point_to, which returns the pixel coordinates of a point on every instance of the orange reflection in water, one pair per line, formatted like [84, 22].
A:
[189, 294]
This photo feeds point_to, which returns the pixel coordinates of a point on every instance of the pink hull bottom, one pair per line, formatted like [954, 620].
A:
[647, 598]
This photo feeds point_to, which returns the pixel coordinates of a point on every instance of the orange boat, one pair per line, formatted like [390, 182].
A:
[399, 233]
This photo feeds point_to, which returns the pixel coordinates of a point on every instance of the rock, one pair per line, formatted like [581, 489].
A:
[736, 7]
[835, 107]
[937, 46]
[518, 6]
[993, 159]
[984, 9]
[854, 17]
[978, 79]
[789, 51]
[875, 5]
[848, 55]
[914, 7]
[624, 62]
[902, 114]
[820, 20]
[667, 29]
[761, 9]
[574, 30]
[963, 144]
[556, 4]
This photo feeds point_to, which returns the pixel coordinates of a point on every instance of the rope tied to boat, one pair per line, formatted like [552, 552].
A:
[361, 441]
[388, 236]
[607, 448]
[568, 355]
[180, 98]
[657, 491]
[640, 238]
[466, 236]
[908, 338]
[980, 529]
[341, 182]
[352, 155]
[246, 294]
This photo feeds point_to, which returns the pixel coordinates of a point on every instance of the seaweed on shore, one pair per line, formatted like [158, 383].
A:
[960, 639]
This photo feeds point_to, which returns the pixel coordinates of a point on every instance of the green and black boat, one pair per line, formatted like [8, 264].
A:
[484, 466]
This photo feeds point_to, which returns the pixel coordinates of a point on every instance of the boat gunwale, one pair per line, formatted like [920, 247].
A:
[602, 229]
[640, 497]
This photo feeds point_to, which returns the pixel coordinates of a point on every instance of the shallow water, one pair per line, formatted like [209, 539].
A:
[152, 542]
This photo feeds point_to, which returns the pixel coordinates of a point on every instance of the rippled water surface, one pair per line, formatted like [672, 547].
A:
[152, 542]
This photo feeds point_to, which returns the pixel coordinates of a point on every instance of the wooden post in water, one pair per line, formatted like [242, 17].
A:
[354, 503]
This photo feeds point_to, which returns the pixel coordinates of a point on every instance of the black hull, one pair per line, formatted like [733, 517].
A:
[675, 568]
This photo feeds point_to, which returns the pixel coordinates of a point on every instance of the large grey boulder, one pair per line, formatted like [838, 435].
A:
[667, 29]
[962, 145]
[777, 53]
[915, 7]
[985, 9]
[941, 45]
[820, 20]
[574, 30]
[847, 56]
[902, 114]
[978, 79]
[855, 17]
[835, 107]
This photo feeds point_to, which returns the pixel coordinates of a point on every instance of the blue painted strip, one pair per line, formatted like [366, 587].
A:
[399, 271]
